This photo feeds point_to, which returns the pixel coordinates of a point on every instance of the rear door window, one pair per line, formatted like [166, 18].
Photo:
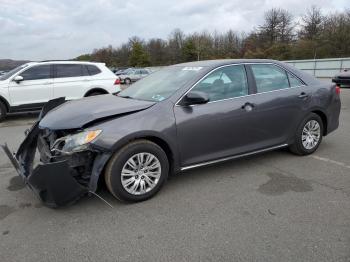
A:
[70, 70]
[93, 70]
[294, 81]
[37, 72]
[269, 77]
[128, 72]
[85, 71]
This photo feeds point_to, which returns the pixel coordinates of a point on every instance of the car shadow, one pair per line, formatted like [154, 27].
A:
[206, 174]
[227, 168]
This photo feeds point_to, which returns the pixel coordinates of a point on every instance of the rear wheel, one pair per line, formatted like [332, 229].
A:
[3, 111]
[137, 171]
[308, 136]
[127, 81]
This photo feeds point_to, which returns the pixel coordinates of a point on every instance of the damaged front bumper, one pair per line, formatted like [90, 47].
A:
[57, 180]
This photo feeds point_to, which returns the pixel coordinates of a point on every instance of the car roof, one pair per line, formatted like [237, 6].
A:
[63, 62]
[221, 62]
[212, 64]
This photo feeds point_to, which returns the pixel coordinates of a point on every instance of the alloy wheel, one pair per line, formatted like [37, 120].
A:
[311, 134]
[141, 173]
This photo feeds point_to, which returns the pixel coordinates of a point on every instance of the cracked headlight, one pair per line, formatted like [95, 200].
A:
[76, 142]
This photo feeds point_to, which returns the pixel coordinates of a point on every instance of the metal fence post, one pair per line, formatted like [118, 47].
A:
[315, 67]
[341, 64]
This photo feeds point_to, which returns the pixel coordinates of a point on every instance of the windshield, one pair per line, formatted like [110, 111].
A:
[127, 71]
[12, 72]
[161, 84]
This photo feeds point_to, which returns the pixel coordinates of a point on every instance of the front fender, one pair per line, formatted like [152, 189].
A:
[112, 145]
[156, 124]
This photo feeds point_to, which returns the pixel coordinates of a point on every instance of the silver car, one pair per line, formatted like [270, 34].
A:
[133, 74]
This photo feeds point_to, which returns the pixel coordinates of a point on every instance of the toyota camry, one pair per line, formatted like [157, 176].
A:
[181, 117]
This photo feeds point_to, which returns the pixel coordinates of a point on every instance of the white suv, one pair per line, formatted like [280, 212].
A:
[29, 86]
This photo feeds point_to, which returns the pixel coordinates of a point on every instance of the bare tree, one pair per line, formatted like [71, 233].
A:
[312, 23]
[156, 49]
[269, 30]
[278, 27]
[175, 45]
[204, 45]
[286, 27]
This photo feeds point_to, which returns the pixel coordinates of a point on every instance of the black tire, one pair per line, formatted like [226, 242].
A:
[127, 81]
[117, 162]
[97, 93]
[3, 111]
[298, 148]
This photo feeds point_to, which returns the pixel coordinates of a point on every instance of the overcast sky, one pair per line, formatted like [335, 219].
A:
[61, 29]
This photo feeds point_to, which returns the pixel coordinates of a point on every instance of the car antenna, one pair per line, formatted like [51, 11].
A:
[102, 199]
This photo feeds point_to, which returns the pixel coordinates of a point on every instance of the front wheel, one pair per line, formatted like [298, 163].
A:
[308, 136]
[137, 171]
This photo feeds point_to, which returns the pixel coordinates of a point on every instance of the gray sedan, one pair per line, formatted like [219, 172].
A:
[181, 117]
[132, 75]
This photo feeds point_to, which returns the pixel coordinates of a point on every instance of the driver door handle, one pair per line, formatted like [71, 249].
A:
[248, 106]
[303, 95]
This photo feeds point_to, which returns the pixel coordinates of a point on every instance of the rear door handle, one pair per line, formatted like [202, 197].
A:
[303, 95]
[248, 106]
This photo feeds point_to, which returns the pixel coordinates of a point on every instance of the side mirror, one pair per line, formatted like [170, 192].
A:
[195, 98]
[18, 79]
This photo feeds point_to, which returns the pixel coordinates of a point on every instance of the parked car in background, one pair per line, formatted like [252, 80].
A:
[181, 117]
[120, 71]
[2, 72]
[132, 75]
[29, 86]
[342, 78]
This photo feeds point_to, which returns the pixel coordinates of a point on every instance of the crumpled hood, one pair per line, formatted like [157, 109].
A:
[78, 113]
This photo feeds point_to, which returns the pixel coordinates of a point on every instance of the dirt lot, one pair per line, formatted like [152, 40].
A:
[270, 207]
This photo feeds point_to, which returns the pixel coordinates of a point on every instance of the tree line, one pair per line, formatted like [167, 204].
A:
[279, 37]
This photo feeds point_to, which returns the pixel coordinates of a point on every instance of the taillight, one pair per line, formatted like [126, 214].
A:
[337, 90]
[117, 81]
